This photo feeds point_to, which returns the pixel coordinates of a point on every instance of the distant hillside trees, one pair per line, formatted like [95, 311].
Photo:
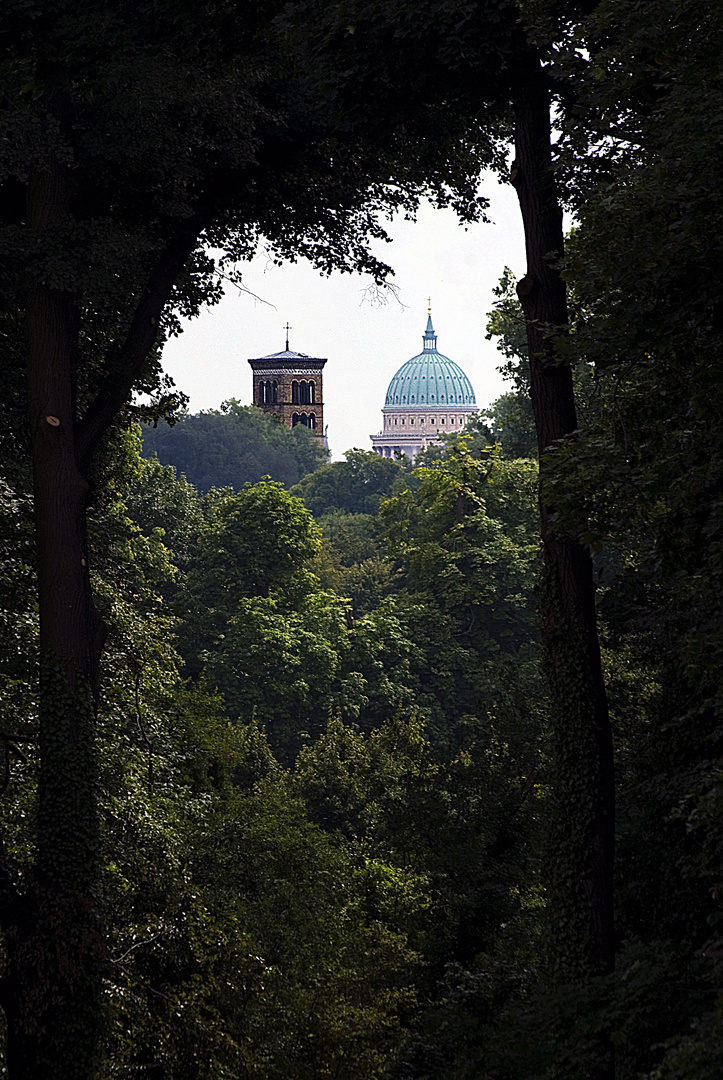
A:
[233, 445]
[356, 485]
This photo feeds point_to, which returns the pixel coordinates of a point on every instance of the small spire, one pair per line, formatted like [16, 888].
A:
[429, 337]
[430, 328]
[287, 328]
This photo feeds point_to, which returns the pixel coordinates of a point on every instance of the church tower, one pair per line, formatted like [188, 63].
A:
[290, 385]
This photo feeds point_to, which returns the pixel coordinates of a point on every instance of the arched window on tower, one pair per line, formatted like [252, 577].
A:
[305, 419]
[274, 393]
[261, 393]
[295, 393]
[312, 393]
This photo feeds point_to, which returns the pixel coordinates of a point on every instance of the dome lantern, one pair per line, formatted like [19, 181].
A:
[429, 337]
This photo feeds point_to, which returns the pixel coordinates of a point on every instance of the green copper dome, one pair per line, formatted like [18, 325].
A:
[429, 379]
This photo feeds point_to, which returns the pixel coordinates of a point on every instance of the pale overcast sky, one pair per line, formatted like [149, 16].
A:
[364, 343]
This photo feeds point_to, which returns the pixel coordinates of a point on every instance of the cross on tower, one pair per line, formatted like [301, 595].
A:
[287, 328]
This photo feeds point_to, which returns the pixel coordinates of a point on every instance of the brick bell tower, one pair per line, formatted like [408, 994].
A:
[290, 385]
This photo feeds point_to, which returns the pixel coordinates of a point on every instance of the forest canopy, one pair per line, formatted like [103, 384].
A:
[367, 770]
[232, 445]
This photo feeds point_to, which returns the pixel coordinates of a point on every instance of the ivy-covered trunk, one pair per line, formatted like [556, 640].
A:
[53, 932]
[581, 894]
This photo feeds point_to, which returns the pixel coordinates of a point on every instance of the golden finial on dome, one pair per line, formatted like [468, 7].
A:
[429, 305]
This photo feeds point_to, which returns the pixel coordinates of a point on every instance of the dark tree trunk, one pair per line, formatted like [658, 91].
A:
[582, 865]
[51, 992]
[53, 933]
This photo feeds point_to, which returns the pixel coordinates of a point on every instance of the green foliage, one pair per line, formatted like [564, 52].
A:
[509, 422]
[254, 540]
[251, 542]
[242, 937]
[377, 908]
[464, 549]
[466, 537]
[234, 446]
[397, 798]
[354, 486]
[352, 560]
[157, 498]
[280, 665]
[506, 323]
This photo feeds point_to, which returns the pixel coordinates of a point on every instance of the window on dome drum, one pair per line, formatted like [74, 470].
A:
[411, 421]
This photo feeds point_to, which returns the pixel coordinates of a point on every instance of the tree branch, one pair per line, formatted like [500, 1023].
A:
[125, 368]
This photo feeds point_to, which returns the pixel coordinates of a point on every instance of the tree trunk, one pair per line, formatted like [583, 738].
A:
[54, 941]
[581, 896]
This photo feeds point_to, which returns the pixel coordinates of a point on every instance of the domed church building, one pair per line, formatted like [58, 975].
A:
[428, 396]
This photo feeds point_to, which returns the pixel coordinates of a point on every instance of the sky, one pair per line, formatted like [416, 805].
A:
[365, 342]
